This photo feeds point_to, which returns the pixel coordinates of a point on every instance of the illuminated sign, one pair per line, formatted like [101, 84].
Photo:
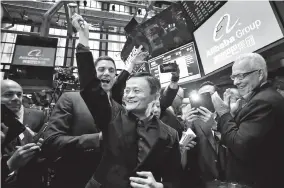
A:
[237, 27]
[35, 53]
[185, 57]
[34, 56]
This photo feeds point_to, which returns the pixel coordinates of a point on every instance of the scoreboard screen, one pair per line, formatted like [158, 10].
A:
[185, 57]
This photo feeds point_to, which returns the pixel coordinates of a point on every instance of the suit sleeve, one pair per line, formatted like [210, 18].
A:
[171, 175]
[92, 93]
[244, 138]
[167, 98]
[57, 135]
[119, 86]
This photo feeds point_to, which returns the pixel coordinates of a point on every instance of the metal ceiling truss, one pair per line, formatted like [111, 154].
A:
[91, 15]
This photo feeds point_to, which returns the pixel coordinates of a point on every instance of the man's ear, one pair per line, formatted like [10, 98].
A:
[261, 75]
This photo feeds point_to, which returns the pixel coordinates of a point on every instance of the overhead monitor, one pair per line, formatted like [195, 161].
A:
[237, 27]
[164, 32]
[199, 11]
[184, 56]
[35, 51]
[34, 56]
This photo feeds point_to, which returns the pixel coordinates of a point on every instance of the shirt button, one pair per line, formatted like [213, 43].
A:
[215, 161]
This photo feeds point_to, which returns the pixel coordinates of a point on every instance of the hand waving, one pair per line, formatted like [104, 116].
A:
[221, 107]
[79, 23]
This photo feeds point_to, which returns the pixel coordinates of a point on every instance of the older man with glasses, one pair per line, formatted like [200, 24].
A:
[255, 136]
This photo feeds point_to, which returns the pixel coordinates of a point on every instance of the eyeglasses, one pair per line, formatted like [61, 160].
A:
[241, 76]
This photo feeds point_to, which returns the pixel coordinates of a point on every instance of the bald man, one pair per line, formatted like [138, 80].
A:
[11, 96]
[255, 135]
[18, 156]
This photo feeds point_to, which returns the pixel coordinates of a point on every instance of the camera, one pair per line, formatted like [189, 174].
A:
[204, 100]
[169, 67]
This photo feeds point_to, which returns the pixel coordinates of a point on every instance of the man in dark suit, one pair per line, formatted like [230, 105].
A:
[32, 118]
[25, 171]
[206, 161]
[254, 137]
[72, 135]
[139, 150]
[74, 139]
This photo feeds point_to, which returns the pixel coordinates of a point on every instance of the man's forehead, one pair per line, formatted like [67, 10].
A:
[11, 88]
[206, 88]
[139, 82]
[7, 85]
[106, 64]
[241, 66]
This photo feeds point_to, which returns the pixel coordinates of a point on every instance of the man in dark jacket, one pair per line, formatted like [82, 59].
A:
[139, 150]
[254, 137]
[72, 137]
[72, 133]
[206, 161]
[18, 152]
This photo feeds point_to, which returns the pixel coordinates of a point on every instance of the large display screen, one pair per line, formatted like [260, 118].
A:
[34, 56]
[163, 32]
[184, 56]
[199, 10]
[237, 27]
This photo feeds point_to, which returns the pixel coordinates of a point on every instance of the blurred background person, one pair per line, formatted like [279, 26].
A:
[278, 84]
[175, 108]
[205, 161]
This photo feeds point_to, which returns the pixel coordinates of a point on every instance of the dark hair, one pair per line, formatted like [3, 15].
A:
[216, 87]
[208, 83]
[104, 58]
[153, 82]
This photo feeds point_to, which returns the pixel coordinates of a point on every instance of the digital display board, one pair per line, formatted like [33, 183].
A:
[237, 27]
[34, 56]
[184, 56]
[198, 11]
[163, 32]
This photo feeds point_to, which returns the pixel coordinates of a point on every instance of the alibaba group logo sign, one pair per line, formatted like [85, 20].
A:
[35, 53]
[223, 26]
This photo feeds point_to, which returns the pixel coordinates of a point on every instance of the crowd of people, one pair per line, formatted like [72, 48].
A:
[124, 131]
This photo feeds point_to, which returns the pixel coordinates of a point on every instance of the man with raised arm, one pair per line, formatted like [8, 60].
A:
[139, 150]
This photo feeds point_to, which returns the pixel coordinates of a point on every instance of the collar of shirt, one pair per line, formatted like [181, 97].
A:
[150, 122]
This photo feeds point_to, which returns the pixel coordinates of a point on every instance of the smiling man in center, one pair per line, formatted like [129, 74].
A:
[139, 150]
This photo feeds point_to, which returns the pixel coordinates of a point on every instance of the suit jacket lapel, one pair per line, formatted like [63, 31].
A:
[241, 110]
[208, 134]
[159, 146]
[128, 131]
[128, 136]
[26, 116]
